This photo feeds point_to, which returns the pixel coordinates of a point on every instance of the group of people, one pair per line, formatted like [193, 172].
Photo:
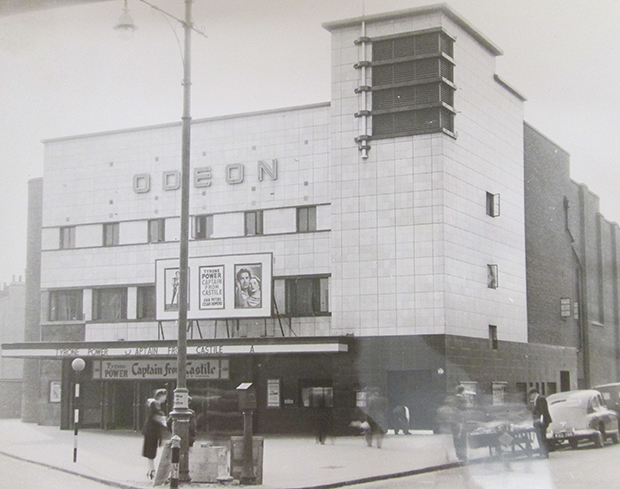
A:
[247, 290]
[452, 417]
[372, 421]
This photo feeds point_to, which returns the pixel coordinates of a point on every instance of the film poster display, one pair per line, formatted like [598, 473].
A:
[226, 287]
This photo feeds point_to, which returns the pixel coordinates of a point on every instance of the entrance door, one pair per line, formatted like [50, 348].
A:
[414, 389]
[120, 405]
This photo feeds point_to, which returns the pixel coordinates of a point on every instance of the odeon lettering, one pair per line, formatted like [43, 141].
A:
[202, 177]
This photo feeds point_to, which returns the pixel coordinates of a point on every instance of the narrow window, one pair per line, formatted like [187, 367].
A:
[492, 204]
[157, 231]
[110, 304]
[203, 226]
[110, 234]
[493, 342]
[146, 302]
[493, 280]
[565, 307]
[306, 219]
[67, 237]
[65, 305]
[253, 223]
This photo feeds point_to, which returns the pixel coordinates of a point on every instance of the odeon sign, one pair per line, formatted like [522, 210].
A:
[234, 174]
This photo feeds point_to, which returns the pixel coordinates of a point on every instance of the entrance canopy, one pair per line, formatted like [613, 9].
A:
[168, 348]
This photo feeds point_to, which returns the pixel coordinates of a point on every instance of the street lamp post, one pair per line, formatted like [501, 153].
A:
[181, 413]
[77, 365]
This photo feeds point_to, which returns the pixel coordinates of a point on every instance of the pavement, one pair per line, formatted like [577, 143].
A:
[290, 462]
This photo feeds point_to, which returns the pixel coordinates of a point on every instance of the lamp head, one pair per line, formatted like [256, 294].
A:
[125, 26]
[78, 364]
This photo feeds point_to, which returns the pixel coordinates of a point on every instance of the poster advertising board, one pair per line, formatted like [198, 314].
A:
[229, 286]
[212, 368]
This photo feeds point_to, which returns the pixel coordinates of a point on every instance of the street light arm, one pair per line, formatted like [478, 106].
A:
[180, 21]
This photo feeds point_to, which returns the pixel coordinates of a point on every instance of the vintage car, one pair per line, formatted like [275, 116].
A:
[611, 395]
[581, 415]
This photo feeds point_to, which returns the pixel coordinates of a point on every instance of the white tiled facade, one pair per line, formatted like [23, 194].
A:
[416, 205]
[404, 234]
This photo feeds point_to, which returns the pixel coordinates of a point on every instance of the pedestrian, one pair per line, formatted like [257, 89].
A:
[321, 419]
[542, 419]
[400, 419]
[153, 429]
[459, 433]
[376, 407]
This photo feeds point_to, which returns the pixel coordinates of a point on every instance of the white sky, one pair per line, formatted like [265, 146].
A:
[65, 72]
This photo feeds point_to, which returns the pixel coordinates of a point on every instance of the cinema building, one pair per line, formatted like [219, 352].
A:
[411, 234]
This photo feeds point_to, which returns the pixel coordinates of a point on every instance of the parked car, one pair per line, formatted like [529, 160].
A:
[581, 415]
[611, 395]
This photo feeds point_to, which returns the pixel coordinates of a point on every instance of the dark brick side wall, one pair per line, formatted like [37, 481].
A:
[552, 272]
[471, 359]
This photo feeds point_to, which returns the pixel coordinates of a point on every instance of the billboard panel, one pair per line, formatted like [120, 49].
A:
[231, 286]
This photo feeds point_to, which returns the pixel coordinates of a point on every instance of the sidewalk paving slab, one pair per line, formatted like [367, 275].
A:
[290, 462]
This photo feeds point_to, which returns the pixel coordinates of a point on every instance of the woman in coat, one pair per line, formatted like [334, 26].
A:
[153, 428]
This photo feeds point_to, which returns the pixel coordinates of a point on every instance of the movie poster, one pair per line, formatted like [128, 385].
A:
[248, 286]
[211, 287]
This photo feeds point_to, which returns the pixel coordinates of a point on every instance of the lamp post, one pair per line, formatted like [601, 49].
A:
[180, 413]
[77, 365]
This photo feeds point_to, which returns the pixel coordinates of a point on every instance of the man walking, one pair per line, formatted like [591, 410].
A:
[542, 419]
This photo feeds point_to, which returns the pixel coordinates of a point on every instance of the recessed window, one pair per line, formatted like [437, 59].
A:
[492, 204]
[65, 305]
[492, 276]
[110, 304]
[302, 296]
[67, 237]
[316, 396]
[306, 219]
[157, 231]
[493, 341]
[253, 223]
[110, 234]
[146, 302]
[203, 226]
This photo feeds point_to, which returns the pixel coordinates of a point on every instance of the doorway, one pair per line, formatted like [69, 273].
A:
[416, 390]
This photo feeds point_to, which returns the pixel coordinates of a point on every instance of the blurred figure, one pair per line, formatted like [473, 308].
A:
[542, 419]
[450, 420]
[400, 419]
[376, 408]
[321, 419]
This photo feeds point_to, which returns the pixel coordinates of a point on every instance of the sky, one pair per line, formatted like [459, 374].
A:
[65, 71]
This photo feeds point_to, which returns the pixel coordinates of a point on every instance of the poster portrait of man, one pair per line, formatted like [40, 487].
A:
[171, 289]
[248, 286]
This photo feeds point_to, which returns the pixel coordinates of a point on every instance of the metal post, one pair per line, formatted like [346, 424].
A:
[76, 418]
[77, 365]
[175, 445]
[247, 472]
[181, 413]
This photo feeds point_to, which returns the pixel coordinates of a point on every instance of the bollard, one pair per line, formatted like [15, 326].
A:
[175, 449]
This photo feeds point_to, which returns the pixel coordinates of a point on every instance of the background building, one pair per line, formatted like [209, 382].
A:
[12, 309]
[409, 235]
